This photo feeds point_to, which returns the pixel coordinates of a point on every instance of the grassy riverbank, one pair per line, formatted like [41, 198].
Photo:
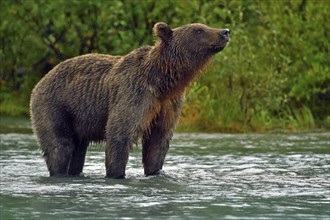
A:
[274, 75]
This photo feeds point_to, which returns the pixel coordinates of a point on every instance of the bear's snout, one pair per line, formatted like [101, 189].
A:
[225, 33]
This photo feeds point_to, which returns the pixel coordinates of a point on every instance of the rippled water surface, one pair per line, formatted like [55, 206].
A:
[272, 176]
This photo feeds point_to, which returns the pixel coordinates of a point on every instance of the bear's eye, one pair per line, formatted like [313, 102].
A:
[199, 31]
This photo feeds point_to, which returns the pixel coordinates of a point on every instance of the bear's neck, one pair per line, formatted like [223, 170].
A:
[177, 70]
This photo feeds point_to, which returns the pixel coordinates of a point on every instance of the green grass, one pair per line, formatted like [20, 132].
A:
[13, 105]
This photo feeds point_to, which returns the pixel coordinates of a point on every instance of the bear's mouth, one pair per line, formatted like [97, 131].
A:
[219, 47]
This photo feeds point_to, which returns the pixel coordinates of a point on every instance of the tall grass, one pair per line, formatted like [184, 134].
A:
[269, 77]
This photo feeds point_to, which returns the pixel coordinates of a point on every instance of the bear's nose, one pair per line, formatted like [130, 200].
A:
[225, 32]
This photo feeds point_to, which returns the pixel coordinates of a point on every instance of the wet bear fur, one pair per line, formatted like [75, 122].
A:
[120, 99]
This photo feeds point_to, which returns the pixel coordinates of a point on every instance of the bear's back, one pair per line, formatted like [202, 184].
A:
[75, 75]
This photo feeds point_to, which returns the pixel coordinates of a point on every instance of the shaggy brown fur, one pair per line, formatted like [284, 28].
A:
[120, 99]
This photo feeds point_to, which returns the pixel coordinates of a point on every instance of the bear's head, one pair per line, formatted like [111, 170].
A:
[196, 39]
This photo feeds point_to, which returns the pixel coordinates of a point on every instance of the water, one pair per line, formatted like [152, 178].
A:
[207, 176]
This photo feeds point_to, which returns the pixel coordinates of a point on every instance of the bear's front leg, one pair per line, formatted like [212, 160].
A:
[154, 149]
[155, 143]
[122, 130]
[116, 157]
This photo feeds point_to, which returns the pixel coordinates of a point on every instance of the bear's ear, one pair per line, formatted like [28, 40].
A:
[163, 31]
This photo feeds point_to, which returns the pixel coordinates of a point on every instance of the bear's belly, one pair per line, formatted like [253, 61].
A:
[91, 127]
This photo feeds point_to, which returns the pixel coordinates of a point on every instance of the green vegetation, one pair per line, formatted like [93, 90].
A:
[275, 74]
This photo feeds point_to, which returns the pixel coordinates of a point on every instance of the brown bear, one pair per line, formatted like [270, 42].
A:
[120, 99]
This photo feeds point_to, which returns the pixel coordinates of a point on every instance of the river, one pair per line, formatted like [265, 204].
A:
[207, 176]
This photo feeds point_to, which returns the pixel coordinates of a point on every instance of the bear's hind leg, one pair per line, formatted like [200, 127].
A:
[78, 158]
[58, 155]
[56, 140]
